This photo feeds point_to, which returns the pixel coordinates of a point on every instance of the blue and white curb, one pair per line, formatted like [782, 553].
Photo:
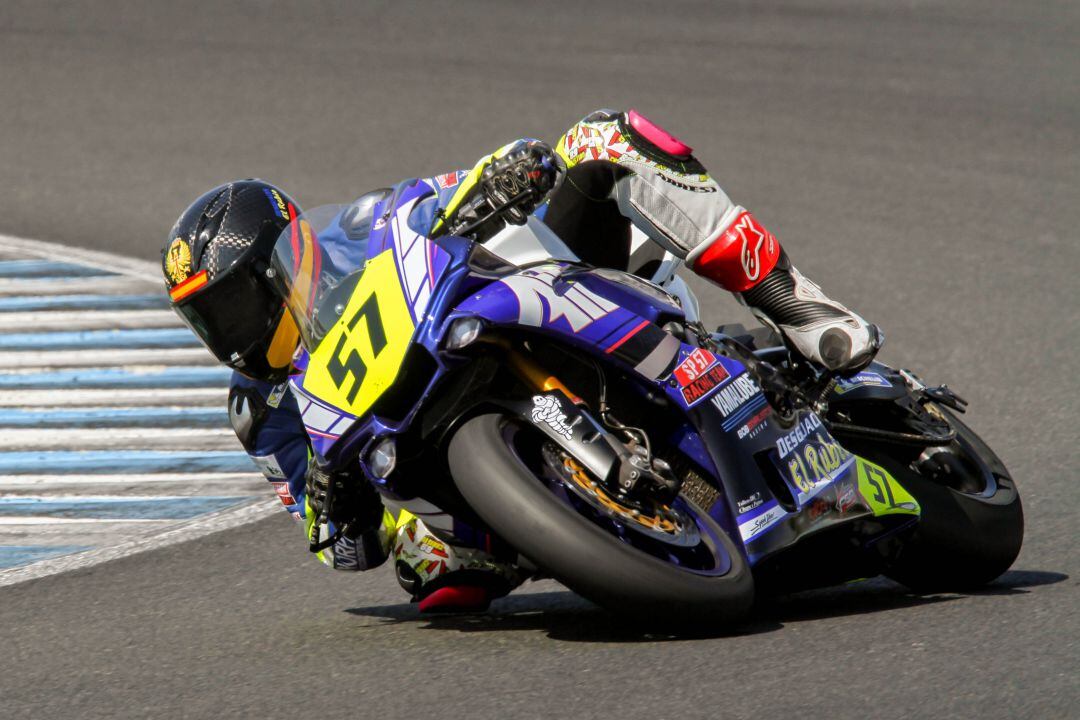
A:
[114, 436]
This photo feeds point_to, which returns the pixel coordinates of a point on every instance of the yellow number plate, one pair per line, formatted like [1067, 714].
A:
[361, 354]
[882, 493]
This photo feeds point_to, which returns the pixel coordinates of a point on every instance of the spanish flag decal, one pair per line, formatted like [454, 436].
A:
[189, 286]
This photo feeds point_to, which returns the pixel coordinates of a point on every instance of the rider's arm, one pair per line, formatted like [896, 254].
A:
[503, 187]
[269, 425]
[267, 422]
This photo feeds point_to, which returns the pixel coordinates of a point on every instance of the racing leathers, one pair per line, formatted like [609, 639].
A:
[619, 169]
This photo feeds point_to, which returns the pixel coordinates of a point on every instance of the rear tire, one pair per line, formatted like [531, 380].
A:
[522, 510]
[964, 540]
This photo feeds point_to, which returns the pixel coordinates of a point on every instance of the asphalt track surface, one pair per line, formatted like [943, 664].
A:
[920, 159]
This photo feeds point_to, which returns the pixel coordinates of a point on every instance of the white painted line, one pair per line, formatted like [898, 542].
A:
[211, 523]
[119, 398]
[226, 483]
[175, 531]
[31, 439]
[24, 359]
[88, 320]
[45, 520]
[144, 269]
[112, 285]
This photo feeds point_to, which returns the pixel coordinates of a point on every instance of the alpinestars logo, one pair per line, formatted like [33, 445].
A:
[753, 239]
[548, 411]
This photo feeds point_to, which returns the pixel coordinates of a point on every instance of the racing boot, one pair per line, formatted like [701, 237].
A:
[445, 577]
[816, 327]
[747, 260]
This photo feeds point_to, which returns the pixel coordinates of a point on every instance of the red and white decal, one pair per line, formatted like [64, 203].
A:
[698, 389]
[447, 180]
[693, 366]
[282, 490]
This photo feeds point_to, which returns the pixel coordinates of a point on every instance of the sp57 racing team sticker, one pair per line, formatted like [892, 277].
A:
[698, 375]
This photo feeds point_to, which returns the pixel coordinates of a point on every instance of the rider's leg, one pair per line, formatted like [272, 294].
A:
[451, 571]
[669, 195]
[747, 259]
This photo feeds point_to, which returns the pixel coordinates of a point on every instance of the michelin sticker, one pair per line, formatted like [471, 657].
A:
[547, 410]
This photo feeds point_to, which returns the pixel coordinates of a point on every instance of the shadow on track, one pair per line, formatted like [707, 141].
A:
[881, 594]
[566, 616]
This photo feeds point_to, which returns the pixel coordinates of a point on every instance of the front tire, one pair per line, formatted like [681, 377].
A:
[523, 510]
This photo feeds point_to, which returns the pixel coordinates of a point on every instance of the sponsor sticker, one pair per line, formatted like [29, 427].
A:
[793, 439]
[277, 394]
[845, 496]
[282, 490]
[702, 386]
[758, 524]
[752, 427]
[817, 463]
[547, 410]
[693, 366]
[731, 398]
[434, 546]
[447, 180]
[863, 379]
[816, 509]
[269, 466]
[749, 503]
[277, 203]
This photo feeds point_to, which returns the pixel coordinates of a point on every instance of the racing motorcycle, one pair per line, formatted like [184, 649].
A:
[586, 419]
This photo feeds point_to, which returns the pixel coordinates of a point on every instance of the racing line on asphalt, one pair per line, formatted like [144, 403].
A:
[114, 437]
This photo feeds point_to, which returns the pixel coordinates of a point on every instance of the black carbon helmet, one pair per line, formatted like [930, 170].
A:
[215, 262]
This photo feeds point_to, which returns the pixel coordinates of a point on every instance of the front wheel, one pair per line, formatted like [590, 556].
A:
[677, 568]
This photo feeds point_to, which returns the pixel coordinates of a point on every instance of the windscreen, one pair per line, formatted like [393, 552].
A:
[318, 260]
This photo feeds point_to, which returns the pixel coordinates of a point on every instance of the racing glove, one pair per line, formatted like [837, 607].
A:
[519, 179]
[345, 521]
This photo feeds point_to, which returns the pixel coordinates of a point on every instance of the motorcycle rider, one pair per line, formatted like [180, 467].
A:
[616, 169]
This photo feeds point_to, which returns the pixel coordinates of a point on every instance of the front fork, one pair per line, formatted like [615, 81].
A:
[630, 469]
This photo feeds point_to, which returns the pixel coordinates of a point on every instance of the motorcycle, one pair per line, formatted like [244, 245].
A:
[586, 419]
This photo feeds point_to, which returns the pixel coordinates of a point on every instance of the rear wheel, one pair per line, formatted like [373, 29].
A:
[671, 564]
[972, 522]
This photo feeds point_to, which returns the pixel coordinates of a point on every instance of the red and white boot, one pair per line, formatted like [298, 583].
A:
[447, 578]
[747, 260]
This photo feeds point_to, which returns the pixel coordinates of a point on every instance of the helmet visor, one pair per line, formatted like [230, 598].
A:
[231, 315]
